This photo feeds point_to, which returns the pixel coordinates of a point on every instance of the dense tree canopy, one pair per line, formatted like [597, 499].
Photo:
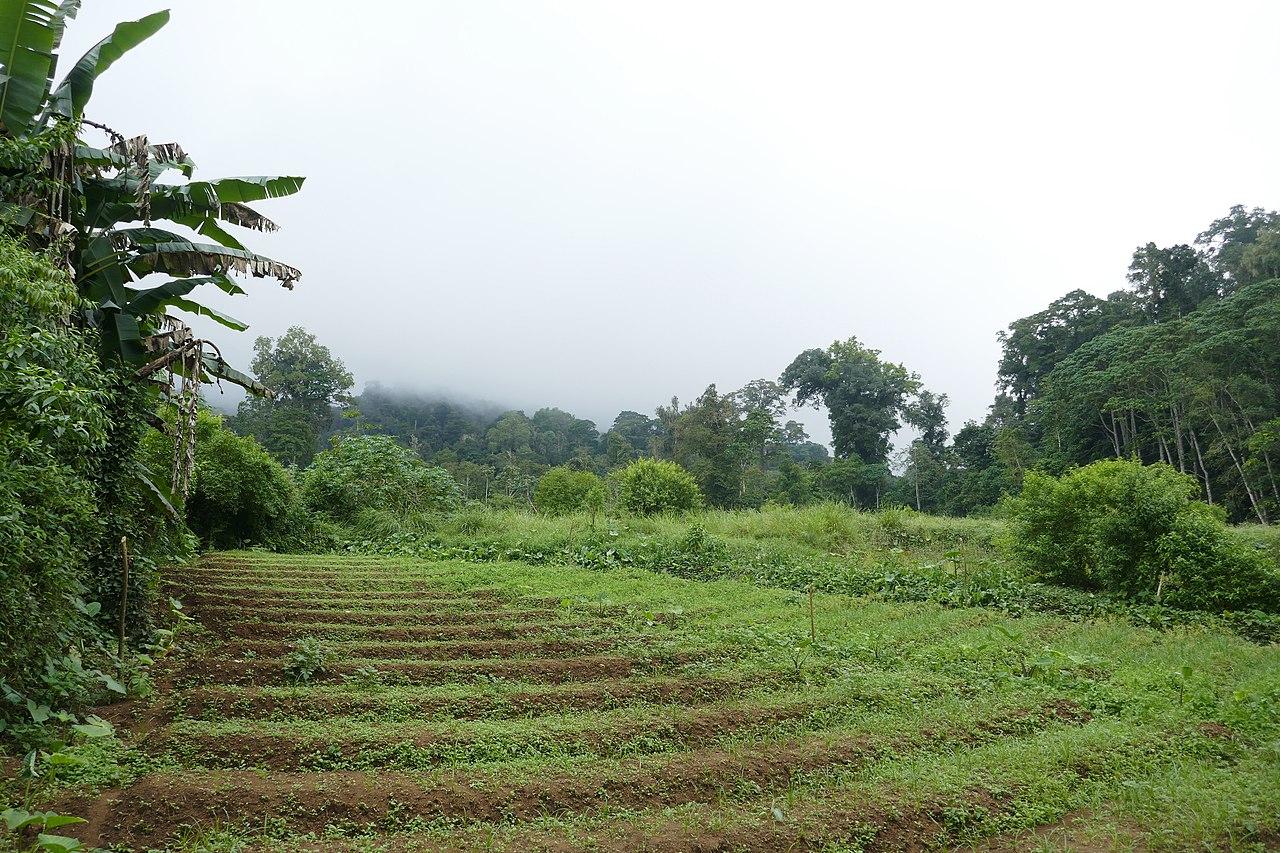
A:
[1176, 368]
[865, 396]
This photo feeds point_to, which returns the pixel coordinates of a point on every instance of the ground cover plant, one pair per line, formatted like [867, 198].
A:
[895, 554]
[503, 705]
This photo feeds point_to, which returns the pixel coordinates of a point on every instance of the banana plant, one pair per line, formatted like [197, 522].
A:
[137, 232]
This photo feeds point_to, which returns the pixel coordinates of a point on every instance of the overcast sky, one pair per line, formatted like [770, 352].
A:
[598, 205]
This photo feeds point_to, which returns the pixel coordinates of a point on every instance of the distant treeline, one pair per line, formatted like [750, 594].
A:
[1181, 367]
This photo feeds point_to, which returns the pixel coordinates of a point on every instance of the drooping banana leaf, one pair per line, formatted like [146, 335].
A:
[205, 311]
[29, 33]
[102, 275]
[243, 189]
[73, 93]
[215, 366]
[181, 257]
[158, 490]
[152, 299]
[162, 157]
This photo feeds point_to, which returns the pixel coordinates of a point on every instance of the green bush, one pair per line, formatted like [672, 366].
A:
[375, 472]
[239, 494]
[1124, 528]
[54, 421]
[650, 486]
[564, 490]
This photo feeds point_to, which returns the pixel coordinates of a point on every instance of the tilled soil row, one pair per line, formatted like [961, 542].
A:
[441, 650]
[380, 601]
[217, 616]
[879, 823]
[148, 812]
[422, 747]
[260, 596]
[256, 704]
[551, 670]
[423, 587]
[419, 633]
[308, 562]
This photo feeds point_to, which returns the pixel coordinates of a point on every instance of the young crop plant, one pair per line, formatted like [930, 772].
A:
[308, 659]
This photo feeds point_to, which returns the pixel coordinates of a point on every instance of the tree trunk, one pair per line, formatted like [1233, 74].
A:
[1208, 487]
[1244, 480]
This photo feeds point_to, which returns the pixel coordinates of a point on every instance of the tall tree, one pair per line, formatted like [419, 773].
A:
[864, 395]
[1226, 241]
[1171, 282]
[1033, 345]
[307, 382]
[707, 443]
[639, 431]
[928, 413]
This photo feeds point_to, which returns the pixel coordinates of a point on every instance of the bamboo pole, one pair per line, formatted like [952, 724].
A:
[124, 592]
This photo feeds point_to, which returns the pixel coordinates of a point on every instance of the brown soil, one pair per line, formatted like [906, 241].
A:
[1216, 731]
[425, 633]
[147, 812]
[217, 617]
[440, 650]
[290, 752]
[610, 693]
[555, 670]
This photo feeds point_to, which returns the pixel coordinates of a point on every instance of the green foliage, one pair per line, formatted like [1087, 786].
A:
[373, 471]
[306, 381]
[864, 395]
[72, 483]
[239, 493]
[1138, 531]
[563, 490]
[309, 658]
[649, 486]
[101, 193]
[54, 419]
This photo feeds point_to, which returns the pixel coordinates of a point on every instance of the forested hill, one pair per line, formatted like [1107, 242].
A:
[1182, 367]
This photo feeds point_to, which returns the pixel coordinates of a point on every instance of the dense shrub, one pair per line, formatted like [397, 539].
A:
[375, 472]
[563, 490]
[649, 486]
[1121, 527]
[239, 493]
[53, 421]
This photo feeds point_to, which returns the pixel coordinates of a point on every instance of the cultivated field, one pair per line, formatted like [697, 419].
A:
[506, 706]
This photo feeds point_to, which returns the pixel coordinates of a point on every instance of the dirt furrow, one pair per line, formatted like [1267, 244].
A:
[436, 651]
[423, 633]
[416, 747]
[553, 670]
[148, 812]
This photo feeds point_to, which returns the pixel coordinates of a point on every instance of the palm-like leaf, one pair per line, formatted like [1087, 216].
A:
[119, 184]
[156, 250]
[29, 33]
[72, 94]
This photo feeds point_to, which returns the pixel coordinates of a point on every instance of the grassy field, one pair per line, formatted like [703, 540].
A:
[513, 706]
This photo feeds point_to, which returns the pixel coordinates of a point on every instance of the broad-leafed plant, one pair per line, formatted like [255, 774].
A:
[99, 205]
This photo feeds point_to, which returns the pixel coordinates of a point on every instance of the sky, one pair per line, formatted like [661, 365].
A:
[599, 205]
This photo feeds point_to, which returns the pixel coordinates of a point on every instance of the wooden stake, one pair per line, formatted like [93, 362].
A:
[813, 629]
[124, 592]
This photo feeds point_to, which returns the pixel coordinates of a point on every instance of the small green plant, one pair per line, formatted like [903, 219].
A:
[18, 820]
[1179, 678]
[308, 659]
[365, 676]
